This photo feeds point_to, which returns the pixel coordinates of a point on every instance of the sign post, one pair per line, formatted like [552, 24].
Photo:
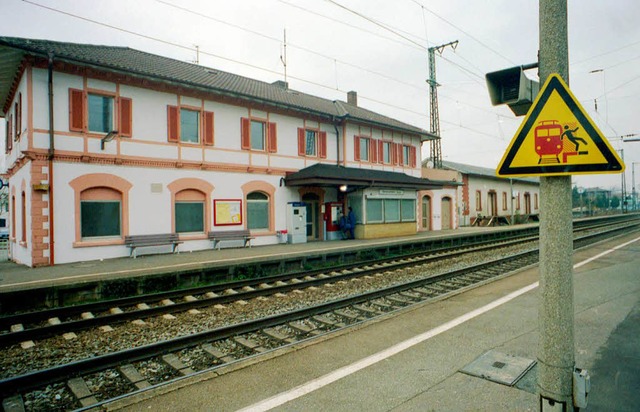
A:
[557, 139]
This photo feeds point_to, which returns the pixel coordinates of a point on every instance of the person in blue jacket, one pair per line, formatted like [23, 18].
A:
[351, 223]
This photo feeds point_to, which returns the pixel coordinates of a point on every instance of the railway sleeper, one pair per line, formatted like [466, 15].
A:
[399, 300]
[328, 322]
[426, 292]
[275, 334]
[302, 328]
[249, 344]
[368, 310]
[351, 316]
[81, 391]
[133, 375]
[217, 353]
[174, 362]
[13, 404]
[410, 295]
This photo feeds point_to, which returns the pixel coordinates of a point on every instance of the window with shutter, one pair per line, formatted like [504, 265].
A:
[172, 123]
[208, 128]
[272, 137]
[76, 110]
[374, 151]
[125, 117]
[245, 132]
[8, 140]
[414, 160]
[356, 148]
[323, 145]
[302, 147]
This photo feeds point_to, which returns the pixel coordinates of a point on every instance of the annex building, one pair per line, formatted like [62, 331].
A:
[104, 142]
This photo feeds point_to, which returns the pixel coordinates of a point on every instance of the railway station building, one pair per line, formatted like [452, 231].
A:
[104, 142]
[484, 199]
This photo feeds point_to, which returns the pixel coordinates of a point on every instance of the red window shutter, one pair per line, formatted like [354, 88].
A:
[245, 132]
[400, 154]
[380, 151]
[76, 110]
[394, 153]
[17, 125]
[323, 145]
[356, 148]
[301, 142]
[413, 156]
[19, 116]
[173, 124]
[125, 117]
[272, 138]
[208, 128]
[9, 140]
[373, 146]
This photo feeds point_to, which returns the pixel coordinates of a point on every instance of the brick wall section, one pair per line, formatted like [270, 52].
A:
[39, 215]
[465, 194]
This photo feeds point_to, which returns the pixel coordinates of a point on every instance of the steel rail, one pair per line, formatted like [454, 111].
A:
[36, 379]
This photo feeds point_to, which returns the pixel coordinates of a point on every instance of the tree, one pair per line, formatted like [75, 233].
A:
[615, 202]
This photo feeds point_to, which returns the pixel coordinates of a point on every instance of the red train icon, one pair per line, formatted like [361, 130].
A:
[548, 140]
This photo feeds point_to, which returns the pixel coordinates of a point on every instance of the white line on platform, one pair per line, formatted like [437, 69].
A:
[308, 387]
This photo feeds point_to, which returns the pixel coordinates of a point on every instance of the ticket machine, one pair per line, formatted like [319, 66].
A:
[296, 222]
[333, 211]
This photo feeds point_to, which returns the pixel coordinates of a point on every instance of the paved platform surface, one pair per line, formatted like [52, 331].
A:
[412, 362]
[19, 277]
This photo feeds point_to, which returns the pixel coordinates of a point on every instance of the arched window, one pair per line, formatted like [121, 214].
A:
[189, 212]
[100, 213]
[23, 236]
[257, 210]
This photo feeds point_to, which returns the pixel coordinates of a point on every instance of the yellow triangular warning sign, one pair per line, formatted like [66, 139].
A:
[557, 137]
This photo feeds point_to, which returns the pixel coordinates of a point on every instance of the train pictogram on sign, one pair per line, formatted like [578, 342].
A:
[556, 138]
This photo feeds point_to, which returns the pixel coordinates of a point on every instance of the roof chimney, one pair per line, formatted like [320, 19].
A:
[281, 84]
[352, 98]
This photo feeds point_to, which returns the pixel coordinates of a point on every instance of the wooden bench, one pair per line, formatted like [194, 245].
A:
[219, 236]
[136, 241]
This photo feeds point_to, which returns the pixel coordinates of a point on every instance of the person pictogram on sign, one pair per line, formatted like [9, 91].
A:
[573, 139]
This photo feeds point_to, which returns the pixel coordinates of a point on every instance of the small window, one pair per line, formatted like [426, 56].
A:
[478, 200]
[257, 135]
[99, 218]
[189, 126]
[408, 210]
[189, 216]
[406, 155]
[310, 142]
[257, 210]
[374, 211]
[535, 201]
[504, 200]
[100, 213]
[364, 149]
[386, 152]
[391, 210]
[100, 113]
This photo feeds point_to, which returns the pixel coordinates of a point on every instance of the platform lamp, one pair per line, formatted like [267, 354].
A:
[107, 138]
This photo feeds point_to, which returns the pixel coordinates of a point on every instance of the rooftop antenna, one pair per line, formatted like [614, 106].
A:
[197, 61]
[283, 55]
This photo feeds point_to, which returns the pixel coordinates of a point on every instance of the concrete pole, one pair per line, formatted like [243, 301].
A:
[556, 358]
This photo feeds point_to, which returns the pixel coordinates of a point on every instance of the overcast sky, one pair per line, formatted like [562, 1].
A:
[378, 48]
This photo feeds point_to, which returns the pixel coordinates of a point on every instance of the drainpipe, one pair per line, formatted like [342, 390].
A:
[51, 153]
[335, 126]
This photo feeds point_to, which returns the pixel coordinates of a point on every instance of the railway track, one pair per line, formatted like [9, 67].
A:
[132, 370]
[28, 327]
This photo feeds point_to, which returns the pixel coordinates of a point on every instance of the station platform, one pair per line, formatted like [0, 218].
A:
[413, 361]
[14, 277]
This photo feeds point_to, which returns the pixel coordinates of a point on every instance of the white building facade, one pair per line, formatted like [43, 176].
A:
[104, 142]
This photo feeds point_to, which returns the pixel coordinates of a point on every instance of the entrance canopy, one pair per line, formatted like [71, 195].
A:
[356, 178]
